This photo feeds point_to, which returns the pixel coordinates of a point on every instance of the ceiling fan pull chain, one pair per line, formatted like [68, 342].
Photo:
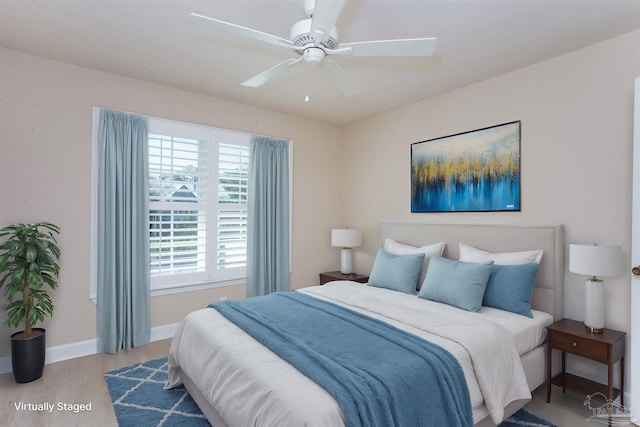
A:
[306, 84]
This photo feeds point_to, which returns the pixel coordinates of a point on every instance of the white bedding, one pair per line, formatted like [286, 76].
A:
[249, 385]
[527, 333]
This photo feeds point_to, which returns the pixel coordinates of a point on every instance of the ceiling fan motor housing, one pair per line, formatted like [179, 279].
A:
[301, 36]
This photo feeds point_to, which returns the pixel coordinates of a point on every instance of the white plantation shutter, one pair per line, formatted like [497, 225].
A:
[177, 206]
[233, 177]
[197, 204]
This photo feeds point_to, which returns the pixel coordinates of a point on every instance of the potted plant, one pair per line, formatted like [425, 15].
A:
[28, 264]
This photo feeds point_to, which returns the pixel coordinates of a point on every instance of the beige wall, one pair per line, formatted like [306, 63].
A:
[45, 160]
[576, 113]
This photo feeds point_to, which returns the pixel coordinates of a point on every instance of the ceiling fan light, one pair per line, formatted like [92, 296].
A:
[314, 55]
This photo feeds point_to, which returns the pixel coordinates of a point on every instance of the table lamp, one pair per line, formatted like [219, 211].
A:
[595, 259]
[346, 238]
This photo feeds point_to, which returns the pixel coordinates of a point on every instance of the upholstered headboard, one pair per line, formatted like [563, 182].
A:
[548, 294]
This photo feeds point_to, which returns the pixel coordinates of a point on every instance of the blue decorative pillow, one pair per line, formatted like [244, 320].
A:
[510, 287]
[457, 283]
[397, 272]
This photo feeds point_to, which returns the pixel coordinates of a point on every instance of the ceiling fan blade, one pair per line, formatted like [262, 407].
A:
[325, 15]
[218, 25]
[340, 78]
[265, 76]
[400, 47]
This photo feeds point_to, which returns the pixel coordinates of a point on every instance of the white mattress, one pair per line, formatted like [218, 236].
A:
[228, 366]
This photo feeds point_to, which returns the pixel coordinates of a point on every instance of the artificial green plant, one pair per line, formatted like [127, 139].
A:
[28, 261]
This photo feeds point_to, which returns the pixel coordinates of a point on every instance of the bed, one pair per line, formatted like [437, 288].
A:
[237, 381]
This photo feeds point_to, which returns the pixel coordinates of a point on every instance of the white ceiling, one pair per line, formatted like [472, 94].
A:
[151, 40]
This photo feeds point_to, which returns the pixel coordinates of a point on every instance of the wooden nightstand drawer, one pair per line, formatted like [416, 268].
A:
[582, 347]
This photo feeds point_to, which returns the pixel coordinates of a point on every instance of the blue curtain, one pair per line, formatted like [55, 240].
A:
[123, 295]
[268, 217]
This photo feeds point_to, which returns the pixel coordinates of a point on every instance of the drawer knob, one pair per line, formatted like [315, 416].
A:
[575, 344]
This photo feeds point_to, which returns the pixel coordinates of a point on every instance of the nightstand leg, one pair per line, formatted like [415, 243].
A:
[610, 380]
[548, 373]
[564, 366]
[622, 381]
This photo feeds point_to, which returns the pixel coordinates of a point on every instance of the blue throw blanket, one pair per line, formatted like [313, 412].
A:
[378, 374]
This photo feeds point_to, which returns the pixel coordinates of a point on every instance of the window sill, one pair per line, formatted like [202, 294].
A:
[177, 289]
[191, 287]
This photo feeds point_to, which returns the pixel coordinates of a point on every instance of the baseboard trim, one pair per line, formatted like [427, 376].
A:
[86, 348]
[163, 332]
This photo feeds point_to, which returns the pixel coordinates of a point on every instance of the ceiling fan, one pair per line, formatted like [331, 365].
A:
[314, 39]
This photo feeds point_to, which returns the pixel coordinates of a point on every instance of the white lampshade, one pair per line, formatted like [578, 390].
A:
[595, 259]
[346, 237]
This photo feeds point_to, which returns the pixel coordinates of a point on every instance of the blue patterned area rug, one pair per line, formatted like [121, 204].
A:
[139, 400]
[524, 418]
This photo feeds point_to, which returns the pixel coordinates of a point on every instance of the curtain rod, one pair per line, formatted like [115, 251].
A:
[192, 123]
[121, 111]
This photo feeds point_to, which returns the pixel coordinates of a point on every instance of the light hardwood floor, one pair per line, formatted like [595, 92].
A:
[81, 381]
[72, 381]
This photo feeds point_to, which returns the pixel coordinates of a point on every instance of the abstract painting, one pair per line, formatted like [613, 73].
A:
[475, 171]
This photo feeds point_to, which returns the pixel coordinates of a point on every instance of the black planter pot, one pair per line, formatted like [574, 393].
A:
[27, 356]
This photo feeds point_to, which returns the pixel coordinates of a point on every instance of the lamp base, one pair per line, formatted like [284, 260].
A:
[594, 305]
[346, 264]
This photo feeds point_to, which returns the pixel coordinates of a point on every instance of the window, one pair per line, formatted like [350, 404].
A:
[198, 179]
[197, 204]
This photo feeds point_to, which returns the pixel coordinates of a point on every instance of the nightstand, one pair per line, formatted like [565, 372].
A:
[330, 276]
[570, 336]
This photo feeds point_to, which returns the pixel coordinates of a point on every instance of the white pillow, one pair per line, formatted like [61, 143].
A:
[397, 248]
[471, 254]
